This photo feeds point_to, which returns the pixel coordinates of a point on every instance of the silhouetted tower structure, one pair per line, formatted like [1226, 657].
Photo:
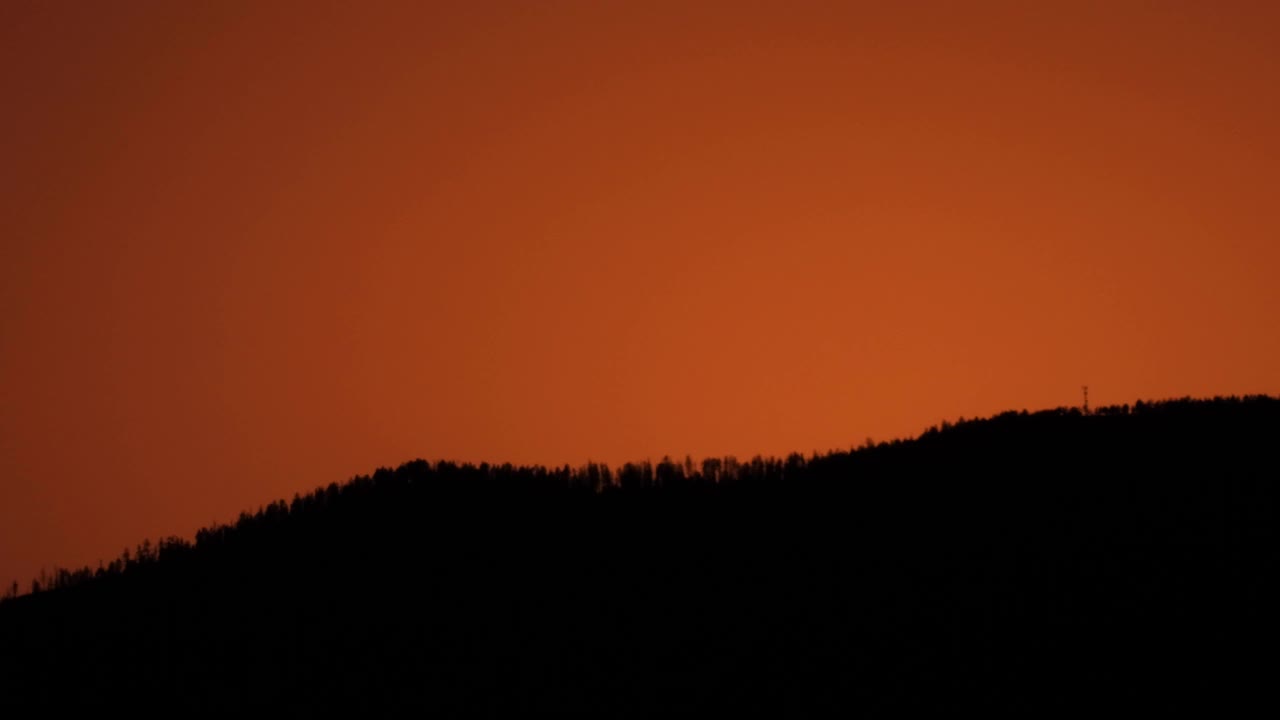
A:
[1086, 399]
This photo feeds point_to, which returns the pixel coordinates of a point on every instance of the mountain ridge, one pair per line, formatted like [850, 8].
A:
[1053, 550]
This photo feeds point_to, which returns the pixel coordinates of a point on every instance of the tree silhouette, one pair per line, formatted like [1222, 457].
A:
[1124, 556]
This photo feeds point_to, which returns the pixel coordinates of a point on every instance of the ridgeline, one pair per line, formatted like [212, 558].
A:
[1025, 561]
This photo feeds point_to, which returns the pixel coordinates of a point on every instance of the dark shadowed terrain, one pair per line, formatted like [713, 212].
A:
[1124, 559]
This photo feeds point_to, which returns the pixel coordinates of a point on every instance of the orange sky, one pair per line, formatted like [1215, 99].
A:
[251, 249]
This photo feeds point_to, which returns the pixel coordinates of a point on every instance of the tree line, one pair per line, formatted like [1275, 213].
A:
[674, 476]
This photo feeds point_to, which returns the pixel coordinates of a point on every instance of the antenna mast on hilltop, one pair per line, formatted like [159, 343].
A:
[1086, 399]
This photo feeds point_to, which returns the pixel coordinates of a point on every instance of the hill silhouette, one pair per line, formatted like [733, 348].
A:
[1023, 561]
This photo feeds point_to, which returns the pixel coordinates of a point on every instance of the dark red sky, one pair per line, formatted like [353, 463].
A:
[249, 249]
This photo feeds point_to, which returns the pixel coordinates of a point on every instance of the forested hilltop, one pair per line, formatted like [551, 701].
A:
[1022, 561]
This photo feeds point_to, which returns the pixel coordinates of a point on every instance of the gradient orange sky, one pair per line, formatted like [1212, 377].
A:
[252, 248]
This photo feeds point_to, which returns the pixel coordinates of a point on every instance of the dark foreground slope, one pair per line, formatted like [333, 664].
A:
[1025, 561]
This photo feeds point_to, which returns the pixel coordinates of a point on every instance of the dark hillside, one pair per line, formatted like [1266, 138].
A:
[1022, 561]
